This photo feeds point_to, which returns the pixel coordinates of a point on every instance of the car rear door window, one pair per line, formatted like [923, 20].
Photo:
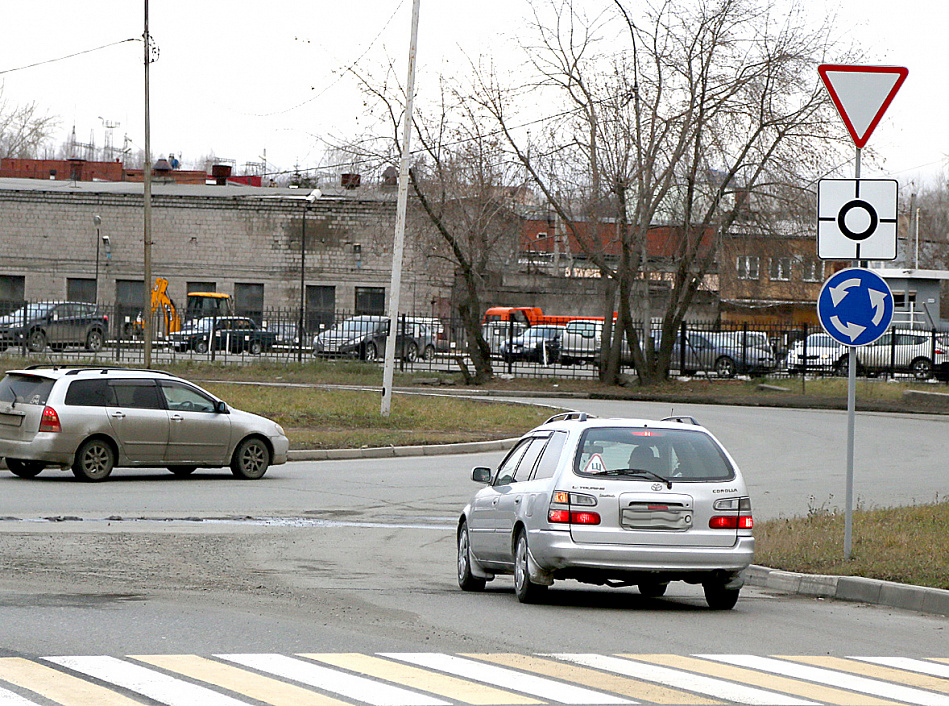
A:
[137, 394]
[529, 459]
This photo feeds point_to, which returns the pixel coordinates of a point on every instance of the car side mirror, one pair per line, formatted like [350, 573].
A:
[221, 407]
[481, 474]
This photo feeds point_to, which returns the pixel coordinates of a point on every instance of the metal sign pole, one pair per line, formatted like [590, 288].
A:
[851, 419]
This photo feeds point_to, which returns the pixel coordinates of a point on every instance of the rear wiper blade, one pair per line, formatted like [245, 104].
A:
[639, 472]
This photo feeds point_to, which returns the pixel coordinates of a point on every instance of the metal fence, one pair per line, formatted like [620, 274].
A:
[425, 343]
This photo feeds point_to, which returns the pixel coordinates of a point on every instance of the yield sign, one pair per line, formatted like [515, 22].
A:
[862, 94]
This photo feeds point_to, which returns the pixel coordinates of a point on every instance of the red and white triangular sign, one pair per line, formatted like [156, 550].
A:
[862, 94]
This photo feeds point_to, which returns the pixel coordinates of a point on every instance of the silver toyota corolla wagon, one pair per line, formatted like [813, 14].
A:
[617, 502]
[93, 418]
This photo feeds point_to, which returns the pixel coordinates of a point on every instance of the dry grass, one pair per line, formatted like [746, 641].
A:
[905, 544]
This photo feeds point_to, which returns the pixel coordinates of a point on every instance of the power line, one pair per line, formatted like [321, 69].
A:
[70, 56]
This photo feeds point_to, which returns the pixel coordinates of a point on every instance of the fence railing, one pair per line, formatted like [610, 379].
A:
[424, 342]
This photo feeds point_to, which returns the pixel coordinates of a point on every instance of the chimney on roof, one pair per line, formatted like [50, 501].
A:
[220, 173]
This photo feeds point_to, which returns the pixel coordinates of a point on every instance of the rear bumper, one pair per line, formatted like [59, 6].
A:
[56, 449]
[555, 552]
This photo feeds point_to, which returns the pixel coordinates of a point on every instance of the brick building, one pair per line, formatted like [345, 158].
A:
[237, 239]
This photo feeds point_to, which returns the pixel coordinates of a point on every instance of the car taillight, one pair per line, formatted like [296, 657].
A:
[562, 511]
[50, 420]
[740, 517]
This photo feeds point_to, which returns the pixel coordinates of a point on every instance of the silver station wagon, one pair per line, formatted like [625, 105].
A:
[91, 419]
[616, 502]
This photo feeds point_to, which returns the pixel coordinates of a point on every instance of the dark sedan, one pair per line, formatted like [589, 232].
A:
[538, 343]
[234, 334]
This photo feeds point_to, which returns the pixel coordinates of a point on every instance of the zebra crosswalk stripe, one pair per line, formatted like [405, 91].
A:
[58, 686]
[836, 678]
[559, 692]
[718, 688]
[912, 665]
[8, 698]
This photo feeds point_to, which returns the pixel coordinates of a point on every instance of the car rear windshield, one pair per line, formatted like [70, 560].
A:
[25, 389]
[676, 454]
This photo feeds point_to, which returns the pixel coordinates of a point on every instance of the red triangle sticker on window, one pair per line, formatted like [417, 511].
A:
[861, 94]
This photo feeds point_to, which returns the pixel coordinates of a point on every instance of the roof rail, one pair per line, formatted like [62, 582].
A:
[567, 416]
[681, 419]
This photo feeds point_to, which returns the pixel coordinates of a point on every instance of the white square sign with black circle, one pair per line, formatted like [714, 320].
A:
[856, 219]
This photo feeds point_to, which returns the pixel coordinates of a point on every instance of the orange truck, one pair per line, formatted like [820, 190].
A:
[527, 316]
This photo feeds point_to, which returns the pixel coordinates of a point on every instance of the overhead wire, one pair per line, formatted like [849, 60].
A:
[69, 56]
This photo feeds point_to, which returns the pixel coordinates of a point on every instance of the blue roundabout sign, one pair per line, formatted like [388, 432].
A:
[855, 306]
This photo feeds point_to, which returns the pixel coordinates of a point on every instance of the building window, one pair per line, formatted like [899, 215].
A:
[747, 266]
[249, 301]
[80, 289]
[370, 300]
[200, 287]
[11, 292]
[780, 269]
[812, 270]
[904, 300]
[320, 306]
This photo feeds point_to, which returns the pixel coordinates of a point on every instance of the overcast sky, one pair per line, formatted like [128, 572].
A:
[240, 78]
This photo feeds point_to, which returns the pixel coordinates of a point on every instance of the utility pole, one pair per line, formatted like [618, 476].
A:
[147, 235]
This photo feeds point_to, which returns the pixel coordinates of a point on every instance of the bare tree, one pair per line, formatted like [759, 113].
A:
[465, 185]
[24, 130]
[692, 110]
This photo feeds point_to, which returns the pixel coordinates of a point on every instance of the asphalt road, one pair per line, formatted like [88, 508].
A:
[358, 557]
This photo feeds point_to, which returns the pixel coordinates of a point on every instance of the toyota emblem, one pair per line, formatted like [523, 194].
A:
[657, 487]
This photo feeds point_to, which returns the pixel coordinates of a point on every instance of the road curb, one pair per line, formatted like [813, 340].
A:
[401, 451]
[852, 588]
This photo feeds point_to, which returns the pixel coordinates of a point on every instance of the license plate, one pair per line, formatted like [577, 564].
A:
[656, 516]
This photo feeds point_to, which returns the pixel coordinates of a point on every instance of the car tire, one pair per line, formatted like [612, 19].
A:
[94, 460]
[411, 353]
[720, 598]
[922, 368]
[25, 469]
[37, 341]
[653, 589]
[94, 340]
[182, 471]
[566, 361]
[429, 353]
[466, 580]
[526, 590]
[725, 367]
[255, 348]
[251, 459]
[372, 353]
[201, 346]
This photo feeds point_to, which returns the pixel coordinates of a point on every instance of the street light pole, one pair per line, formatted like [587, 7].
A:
[310, 198]
[97, 221]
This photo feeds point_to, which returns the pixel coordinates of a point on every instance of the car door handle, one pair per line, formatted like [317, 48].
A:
[119, 415]
[495, 501]
[177, 418]
[517, 500]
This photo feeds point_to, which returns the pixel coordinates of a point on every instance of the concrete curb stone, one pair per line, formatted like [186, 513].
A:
[852, 588]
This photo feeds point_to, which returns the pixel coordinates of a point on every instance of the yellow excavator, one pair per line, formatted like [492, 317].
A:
[168, 319]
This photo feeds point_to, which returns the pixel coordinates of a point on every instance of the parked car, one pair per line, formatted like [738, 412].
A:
[818, 353]
[57, 324]
[234, 334]
[726, 353]
[916, 352]
[617, 502]
[538, 343]
[495, 333]
[364, 337]
[580, 343]
[92, 419]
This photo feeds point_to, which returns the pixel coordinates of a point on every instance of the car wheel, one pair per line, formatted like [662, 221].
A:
[94, 340]
[37, 341]
[255, 348]
[372, 353]
[725, 367]
[251, 459]
[566, 360]
[25, 469]
[720, 598]
[411, 353]
[466, 579]
[201, 346]
[922, 368]
[94, 461]
[429, 353]
[182, 471]
[653, 589]
[527, 591]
